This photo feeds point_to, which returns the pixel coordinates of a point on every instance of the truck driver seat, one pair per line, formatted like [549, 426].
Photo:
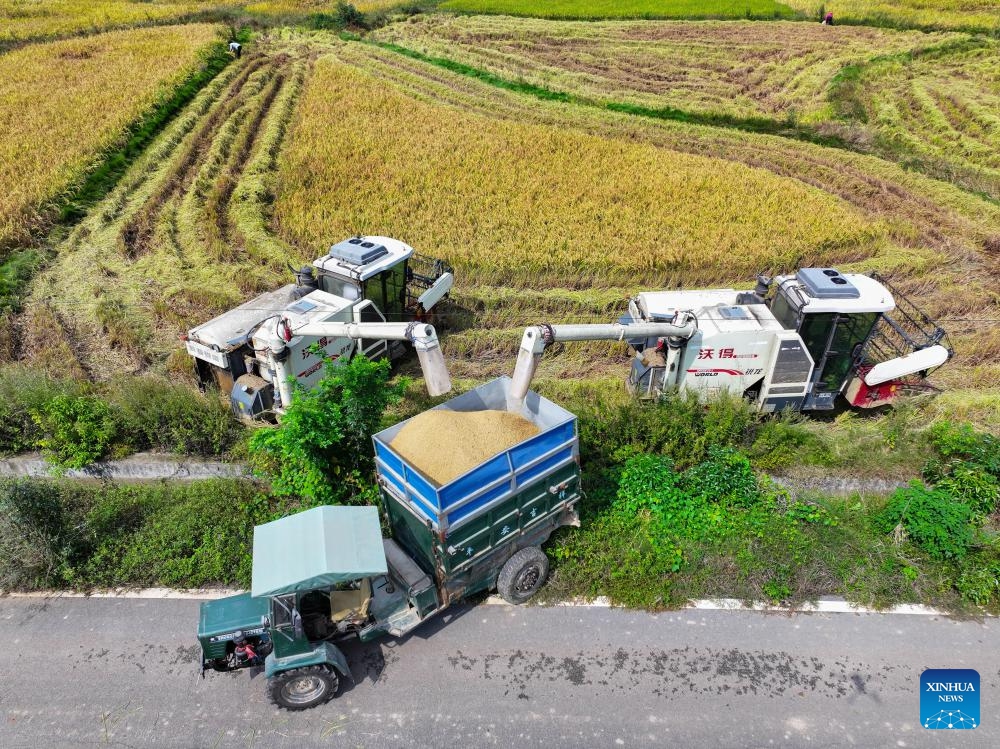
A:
[351, 604]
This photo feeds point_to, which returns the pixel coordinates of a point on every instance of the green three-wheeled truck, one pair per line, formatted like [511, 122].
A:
[327, 574]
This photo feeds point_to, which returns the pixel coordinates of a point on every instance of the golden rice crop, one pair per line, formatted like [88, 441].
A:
[277, 7]
[539, 205]
[64, 102]
[591, 9]
[33, 19]
[932, 14]
[738, 68]
[37, 19]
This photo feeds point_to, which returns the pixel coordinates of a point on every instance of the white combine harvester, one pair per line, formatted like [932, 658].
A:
[366, 295]
[796, 343]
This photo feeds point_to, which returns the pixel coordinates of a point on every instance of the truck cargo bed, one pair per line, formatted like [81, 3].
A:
[465, 527]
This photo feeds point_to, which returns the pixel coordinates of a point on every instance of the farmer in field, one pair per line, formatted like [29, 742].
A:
[236, 48]
[827, 20]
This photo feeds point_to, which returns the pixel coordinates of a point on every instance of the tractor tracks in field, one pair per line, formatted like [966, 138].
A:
[137, 231]
[180, 219]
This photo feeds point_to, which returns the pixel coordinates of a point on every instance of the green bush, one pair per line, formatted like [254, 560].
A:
[153, 413]
[23, 391]
[968, 482]
[725, 477]
[979, 580]
[963, 442]
[39, 537]
[678, 426]
[77, 423]
[76, 429]
[322, 452]
[933, 520]
[967, 466]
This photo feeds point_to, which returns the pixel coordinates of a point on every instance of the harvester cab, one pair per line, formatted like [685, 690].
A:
[396, 280]
[367, 295]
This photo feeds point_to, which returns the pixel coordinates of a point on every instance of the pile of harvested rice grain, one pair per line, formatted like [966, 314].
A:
[446, 444]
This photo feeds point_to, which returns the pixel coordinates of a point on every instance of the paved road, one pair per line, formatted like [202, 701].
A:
[117, 672]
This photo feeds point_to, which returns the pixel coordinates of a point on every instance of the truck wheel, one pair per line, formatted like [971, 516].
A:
[302, 688]
[523, 575]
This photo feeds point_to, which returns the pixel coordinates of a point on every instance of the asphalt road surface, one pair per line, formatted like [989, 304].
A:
[124, 672]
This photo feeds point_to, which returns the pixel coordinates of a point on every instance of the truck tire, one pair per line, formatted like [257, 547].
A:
[523, 575]
[302, 688]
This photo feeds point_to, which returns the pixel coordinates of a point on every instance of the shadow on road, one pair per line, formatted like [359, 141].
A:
[372, 661]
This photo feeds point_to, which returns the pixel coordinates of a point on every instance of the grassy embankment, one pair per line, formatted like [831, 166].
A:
[979, 16]
[672, 511]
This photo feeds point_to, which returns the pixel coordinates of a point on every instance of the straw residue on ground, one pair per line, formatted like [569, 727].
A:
[446, 444]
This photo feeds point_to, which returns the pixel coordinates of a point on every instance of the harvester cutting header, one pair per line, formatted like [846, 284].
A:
[797, 342]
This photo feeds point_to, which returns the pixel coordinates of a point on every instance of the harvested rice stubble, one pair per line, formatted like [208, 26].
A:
[446, 444]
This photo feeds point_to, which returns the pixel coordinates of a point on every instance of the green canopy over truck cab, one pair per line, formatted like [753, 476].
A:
[318, 548]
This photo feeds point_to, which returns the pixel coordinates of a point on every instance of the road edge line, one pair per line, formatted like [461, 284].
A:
[839, 606]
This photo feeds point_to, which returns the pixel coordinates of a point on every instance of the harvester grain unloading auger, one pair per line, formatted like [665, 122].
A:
[537, 338]
[799, 342]
[421, 335]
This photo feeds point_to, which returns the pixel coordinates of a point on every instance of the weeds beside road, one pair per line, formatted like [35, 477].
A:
[674, 510]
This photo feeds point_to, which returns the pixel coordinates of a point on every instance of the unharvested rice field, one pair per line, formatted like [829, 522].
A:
[22, 20]
[48, 141]
[533, 205]
[277, 7]
[973, 15]
[590, 9]
[930, 14]
[34, 19]
[778, 70]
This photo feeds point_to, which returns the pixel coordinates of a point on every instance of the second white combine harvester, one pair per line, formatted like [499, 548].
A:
[797, 343]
